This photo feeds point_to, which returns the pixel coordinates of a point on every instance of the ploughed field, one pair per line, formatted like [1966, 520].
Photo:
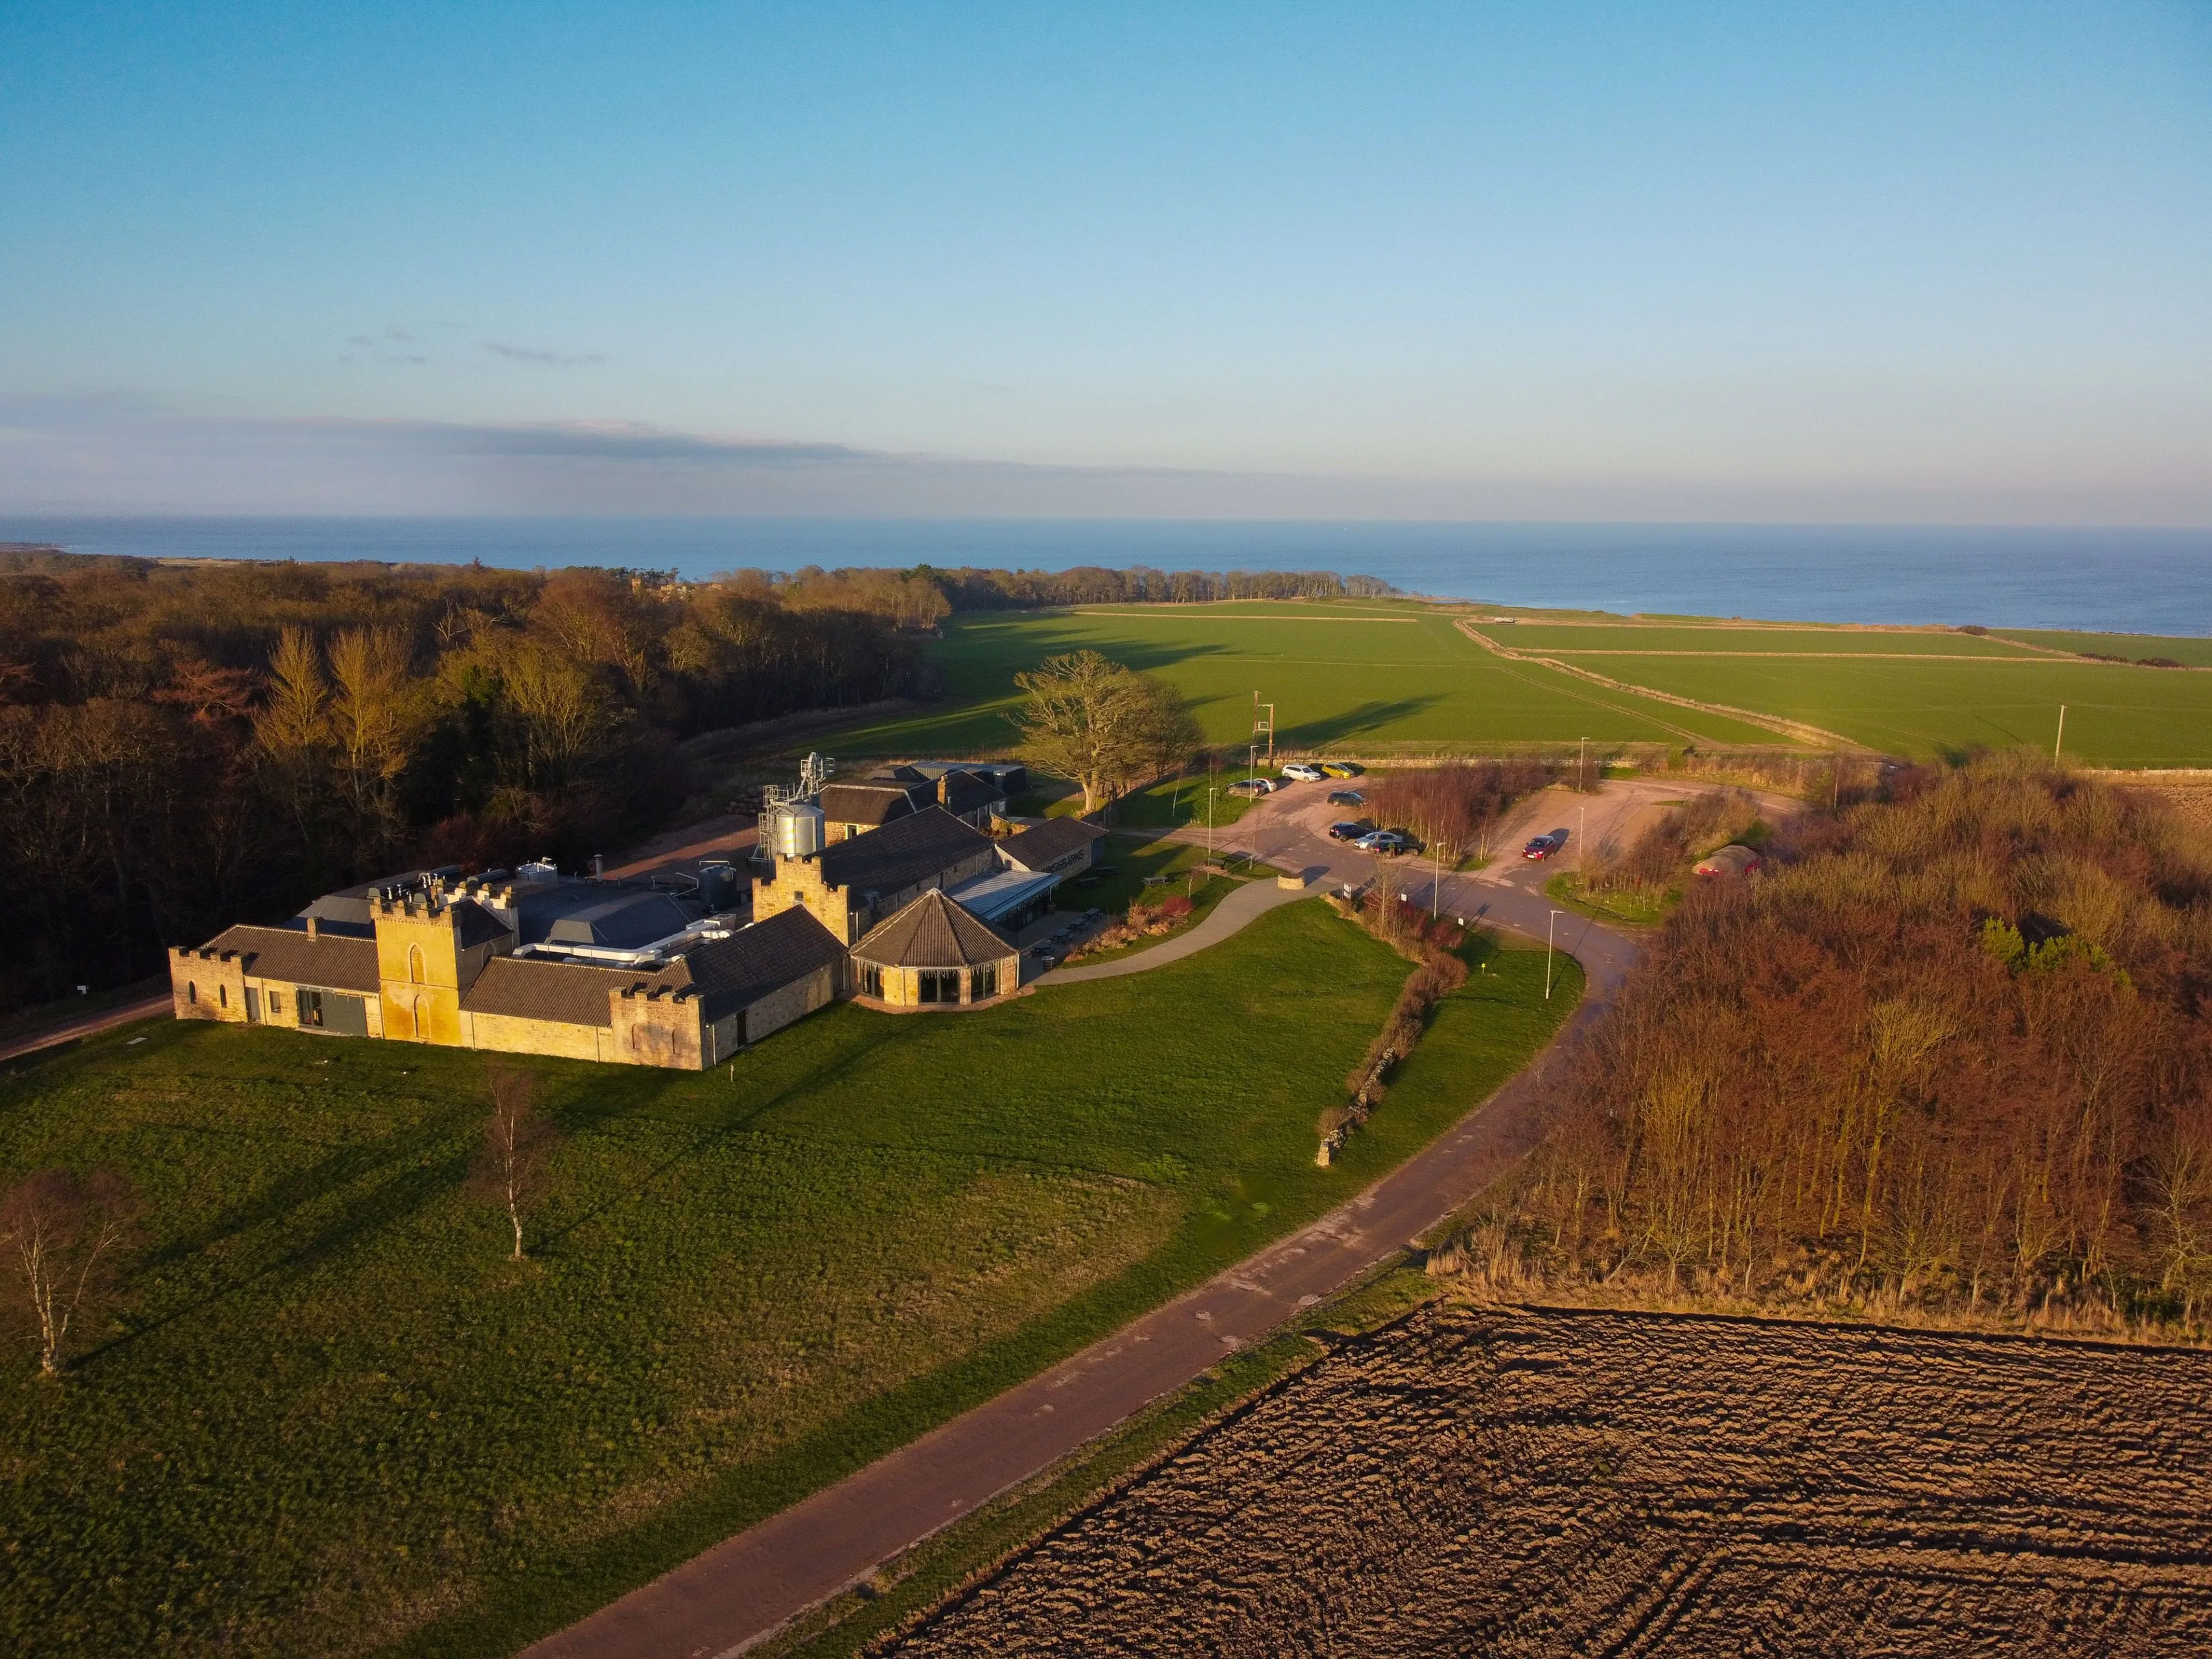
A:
[1550, 1482]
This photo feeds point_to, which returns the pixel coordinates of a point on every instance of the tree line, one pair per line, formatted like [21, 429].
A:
[923, 596]
[1953, 1053]
[185, 746]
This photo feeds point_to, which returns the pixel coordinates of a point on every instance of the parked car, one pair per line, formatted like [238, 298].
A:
[1342, 769]
[1352, 829]
[1544, 846]
[1387, 842]
[1254, 786]
[1347, 797]
[1303, 773]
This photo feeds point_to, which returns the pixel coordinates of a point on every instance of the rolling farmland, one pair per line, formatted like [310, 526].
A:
[1361, 679]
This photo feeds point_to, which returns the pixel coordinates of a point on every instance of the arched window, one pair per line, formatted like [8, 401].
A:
[422, 1034]
[415, 973]
[223, 995]
[193, 992]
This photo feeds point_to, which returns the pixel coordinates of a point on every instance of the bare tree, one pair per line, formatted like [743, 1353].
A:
[510, 1166]
[67, 1235]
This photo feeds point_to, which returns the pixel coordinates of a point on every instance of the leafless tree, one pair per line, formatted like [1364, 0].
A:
[510, 1166]
[66, 1236]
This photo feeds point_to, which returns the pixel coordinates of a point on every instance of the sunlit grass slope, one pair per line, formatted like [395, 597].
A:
[333, 1418]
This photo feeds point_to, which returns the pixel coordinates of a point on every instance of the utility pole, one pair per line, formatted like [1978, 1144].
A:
[1435, 877]
[1549, 928]
[1209, 823]
[2061, 742]
[1263, 726]
[1581, 765]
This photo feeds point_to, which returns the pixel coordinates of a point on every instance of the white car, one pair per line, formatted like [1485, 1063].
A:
[1304, 772]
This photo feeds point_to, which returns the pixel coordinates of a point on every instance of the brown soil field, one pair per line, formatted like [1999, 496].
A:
[1526, 1482]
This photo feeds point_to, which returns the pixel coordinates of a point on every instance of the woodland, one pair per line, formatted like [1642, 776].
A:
[183, 744]
[1950, 1053]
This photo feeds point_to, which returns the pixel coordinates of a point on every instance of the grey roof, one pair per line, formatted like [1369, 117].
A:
[288, 954]
[897, 774]
[728, 973]
[566, 993]
[601, 913]
[1041, 845]
[735, 972]
[474, 925]
[624, 918]
[934, 931]
[866, 803]
[902, 854]
[963, 793]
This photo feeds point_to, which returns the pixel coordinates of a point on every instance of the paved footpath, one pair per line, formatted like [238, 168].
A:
[54, 1035]
[748, 1587]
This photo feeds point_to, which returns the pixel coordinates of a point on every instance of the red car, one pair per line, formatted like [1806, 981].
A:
[1544, 846]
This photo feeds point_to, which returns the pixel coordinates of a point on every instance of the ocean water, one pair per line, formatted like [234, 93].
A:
[2141, 581]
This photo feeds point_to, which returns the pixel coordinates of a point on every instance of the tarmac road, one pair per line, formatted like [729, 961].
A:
[748, 1587]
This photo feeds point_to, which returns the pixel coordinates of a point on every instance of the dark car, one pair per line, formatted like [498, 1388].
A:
[1347, 797]
[1388, 842]
[1544, 846]
[1352, 829]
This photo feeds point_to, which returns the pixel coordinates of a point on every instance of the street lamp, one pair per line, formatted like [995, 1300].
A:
[1549, 928]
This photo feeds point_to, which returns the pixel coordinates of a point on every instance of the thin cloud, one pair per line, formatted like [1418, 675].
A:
[549, 359]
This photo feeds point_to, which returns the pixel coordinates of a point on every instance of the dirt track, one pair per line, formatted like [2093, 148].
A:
[1578, 1482]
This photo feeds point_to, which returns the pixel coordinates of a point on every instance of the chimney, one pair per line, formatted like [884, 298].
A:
[944, 790]
[598, 867]
[313, 930]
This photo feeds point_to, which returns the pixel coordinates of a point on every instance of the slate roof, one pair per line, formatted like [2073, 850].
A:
[734, 972]
[902, 854]
[1040, 845]
[871, 804]
[288, 954]
[563, 992]
[897, 774]
[934, 931]
[728, 973]
[964, 793]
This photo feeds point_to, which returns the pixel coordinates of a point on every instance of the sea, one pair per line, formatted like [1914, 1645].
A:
[2114, 580]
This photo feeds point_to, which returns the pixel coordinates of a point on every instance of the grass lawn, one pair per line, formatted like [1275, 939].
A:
[1354, 678]
[333, 1418]
[1629, 907]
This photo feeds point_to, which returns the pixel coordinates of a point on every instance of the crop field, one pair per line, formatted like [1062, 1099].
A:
[1909, 692]
[1566, 1482]
[331, 1417]
[1353, 679]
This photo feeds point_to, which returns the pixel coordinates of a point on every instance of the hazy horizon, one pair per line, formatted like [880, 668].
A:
[1717, 264]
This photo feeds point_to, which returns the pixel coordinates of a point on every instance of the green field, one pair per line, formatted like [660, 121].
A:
[1913, 692]
[1345, 680]
[2190, 652]
[1574, 640]
[332, 1417]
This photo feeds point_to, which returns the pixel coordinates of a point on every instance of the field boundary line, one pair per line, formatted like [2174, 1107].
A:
[1246, 616]
[1803, 731]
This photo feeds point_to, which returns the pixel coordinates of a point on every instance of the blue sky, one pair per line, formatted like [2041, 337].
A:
[1922, 263]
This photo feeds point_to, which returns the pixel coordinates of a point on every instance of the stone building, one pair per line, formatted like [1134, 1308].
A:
[592, 970]
[935, 954]
[638, 974]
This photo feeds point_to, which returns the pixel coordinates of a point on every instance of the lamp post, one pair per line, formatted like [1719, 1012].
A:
[1209, 823]
[1581, 764]
[1550, 928]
